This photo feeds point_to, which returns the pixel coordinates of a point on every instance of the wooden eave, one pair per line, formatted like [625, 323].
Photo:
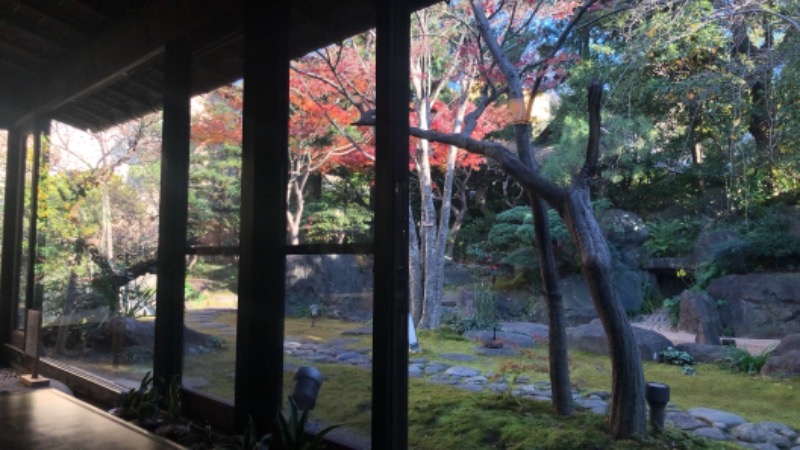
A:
[72, 59]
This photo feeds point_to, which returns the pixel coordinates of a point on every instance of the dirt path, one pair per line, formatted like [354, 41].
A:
[659, 322]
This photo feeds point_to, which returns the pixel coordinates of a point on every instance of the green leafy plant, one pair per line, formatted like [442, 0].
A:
[190, 293]
[485, 311]
[291, 432]
[174, 402]
[673, 307]
[140, 403]
[671, 237]
[740, 360]
[675, 357]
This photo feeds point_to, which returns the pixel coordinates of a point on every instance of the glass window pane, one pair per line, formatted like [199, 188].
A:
[330, 159]
[98, 213]
[216, 168]
[209, 363]
[329, 327]
[26, 222]
[3, 159]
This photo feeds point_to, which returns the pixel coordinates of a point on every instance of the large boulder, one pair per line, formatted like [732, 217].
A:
[342, 283]
[623, 229]
[696, 308]
[632, 285]
[761, 305]
[785, 359]
[592, 338]
[578, 306]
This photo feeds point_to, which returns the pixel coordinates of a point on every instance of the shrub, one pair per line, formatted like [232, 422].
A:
[673, 307]
[675, 357]
[672, 237]
[484, 316]
[739, 360]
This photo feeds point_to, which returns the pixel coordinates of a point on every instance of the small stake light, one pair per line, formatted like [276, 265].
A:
[657, 395]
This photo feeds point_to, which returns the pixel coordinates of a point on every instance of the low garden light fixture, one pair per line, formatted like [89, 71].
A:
[657, 395]
[307, 381]
[314, 313]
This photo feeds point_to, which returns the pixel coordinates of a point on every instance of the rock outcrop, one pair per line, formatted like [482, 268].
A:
[761, 305]
[697, 308]
[785, 359]
[592, 338]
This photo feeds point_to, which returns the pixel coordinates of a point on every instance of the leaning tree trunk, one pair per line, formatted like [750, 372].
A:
[628, 409]
[557, 334]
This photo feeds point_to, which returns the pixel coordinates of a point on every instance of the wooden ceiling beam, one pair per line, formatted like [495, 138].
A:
[110, 55]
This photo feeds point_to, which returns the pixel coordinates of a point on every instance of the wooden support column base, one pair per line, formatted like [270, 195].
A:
[30, 381]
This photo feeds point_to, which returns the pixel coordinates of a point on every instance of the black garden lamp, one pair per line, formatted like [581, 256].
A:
[307, 381]
[657, 395]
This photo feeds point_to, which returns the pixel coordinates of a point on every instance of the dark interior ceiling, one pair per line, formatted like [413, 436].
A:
[94, 63]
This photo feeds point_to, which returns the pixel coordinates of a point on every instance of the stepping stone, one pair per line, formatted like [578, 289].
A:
[503, 351]
[441, 379]
[684, 421]
[415, 370]
[458, 357]
[471, 387]
[497, 387]
[347, 356]
[765, 432]
[717, 418]
[598, 407]
[462, 372]
[435, 368]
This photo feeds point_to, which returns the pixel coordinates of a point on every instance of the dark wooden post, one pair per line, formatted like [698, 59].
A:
[12, 233]
[390, 320]
[262, 264]
[173, 213]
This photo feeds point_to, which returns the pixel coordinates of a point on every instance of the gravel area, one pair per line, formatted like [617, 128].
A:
[659, 322]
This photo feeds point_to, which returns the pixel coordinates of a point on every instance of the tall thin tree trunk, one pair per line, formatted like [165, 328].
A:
[66, 313]
[557, 336]
[106, 228]
[414, 270]
[561, 386]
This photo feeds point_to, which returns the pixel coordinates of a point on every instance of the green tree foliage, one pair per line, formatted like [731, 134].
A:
[702, 98]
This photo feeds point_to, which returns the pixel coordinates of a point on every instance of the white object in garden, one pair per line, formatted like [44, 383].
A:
[413, 343]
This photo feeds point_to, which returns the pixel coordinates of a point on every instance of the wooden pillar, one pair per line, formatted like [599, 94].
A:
[390, 320]
[262, 264]
[173, 213]
[12, 232]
